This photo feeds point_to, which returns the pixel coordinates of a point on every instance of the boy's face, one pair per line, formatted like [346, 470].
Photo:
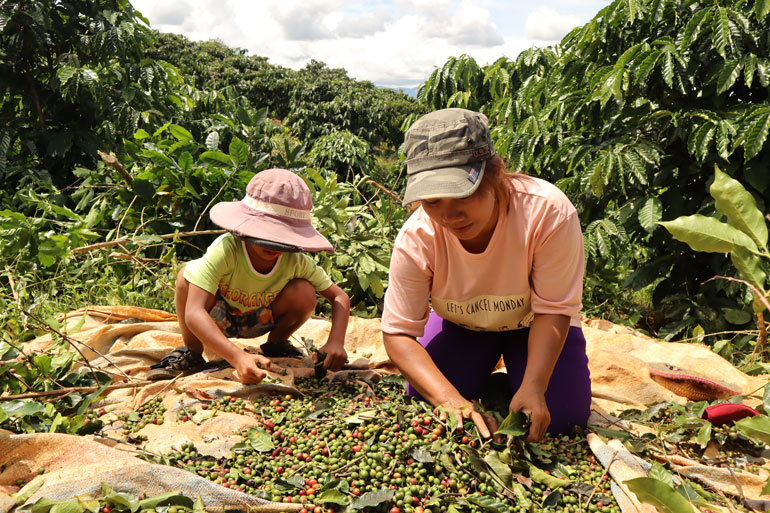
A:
[262, 259]
[268, 255]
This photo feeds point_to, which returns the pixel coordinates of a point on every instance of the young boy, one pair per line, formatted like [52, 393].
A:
[254, 280]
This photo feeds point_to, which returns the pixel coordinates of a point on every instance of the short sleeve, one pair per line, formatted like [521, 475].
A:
[207, 271]
[557, 270]
[407, 300]
[313, 273]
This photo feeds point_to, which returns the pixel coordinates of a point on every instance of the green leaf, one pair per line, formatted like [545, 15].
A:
[693, 28]
[88, 503]
[761, 8]
[731, 70]
[332, 496]
[659, 472]
[67, 507]
[700, 140]
[144, 189]
[704, 434]
[122, 499]
[552, 499]
[650, 213]
[41, 505]
[261, 440]
[766, 488]
[734, 201]
[488, 503]
[422, 456]
[186, 161]
[500, 468]
[180, 133]
[212, 141]
[757, 428]
[750, 267]
[703, 233]
[538, 475]
[65, 74]
[757, 135]
[173, 498]
[659, 494]
[515, 424]
[739, 317]
[371, 499]
[22, 408]
[239, 151]
[360, 417]
[216, 158]
[721, 36]
[158, 157]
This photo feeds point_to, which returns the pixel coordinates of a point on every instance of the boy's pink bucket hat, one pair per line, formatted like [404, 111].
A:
[276, 208]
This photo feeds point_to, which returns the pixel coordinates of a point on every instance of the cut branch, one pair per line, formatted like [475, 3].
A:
[64, 337]
[115, 164]
[124, 240]
[71, 390]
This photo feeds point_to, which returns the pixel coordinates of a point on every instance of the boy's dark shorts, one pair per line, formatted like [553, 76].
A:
[234, 323]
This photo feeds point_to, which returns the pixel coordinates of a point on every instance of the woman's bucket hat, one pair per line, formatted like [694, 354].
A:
[274, 213]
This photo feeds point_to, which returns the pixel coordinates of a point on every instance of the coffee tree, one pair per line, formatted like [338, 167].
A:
[628, 115]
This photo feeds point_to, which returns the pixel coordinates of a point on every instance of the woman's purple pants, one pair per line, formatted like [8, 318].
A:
[467, 358]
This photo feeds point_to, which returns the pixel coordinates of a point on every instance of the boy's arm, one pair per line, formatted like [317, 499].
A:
[336, 356]
[199, 302]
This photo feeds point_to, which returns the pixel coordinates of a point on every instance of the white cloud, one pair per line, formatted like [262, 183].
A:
[362, 25]
[394, 43]
[546, 24]
[472, 26]
[304, 20]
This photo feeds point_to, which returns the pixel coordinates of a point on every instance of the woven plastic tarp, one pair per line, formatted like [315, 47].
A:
[125, 341]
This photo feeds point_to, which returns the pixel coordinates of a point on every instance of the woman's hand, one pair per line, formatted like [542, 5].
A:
[532, 402]
[463, 409]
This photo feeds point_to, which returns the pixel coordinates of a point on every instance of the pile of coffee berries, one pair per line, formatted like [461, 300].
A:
[150, 412]
[347, 442]
[230, 404]
[185, 414]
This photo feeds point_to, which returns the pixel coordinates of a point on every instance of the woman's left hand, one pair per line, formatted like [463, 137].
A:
[532, 402]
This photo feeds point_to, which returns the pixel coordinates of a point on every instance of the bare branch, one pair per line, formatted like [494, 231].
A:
[165, 236]
[114, 163]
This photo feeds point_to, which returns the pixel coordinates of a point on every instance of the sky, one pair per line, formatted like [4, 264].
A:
[392, 43]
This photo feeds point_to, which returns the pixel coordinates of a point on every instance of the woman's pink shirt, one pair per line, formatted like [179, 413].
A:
[533, 263]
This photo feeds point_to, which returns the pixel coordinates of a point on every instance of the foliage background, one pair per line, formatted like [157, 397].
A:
[628, 114]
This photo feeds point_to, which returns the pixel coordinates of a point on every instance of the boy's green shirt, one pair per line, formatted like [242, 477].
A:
[226, 270]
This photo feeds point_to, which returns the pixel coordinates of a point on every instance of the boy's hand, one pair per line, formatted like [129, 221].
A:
[251, 368]
[336, 356]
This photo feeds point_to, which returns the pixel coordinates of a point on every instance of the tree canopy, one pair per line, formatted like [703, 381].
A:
[628, 114]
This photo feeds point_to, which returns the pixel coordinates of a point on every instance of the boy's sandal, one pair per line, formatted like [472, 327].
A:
[180, 361]
[281, 349]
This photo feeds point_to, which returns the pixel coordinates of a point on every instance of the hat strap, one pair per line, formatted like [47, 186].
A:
[274, 208]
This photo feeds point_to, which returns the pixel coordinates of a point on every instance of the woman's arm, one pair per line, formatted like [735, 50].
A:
[336, 356]
[418, 368]
[546, 340]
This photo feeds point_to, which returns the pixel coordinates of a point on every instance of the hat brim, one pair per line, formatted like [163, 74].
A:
[237, 218]
[269, 244]
[445, 182]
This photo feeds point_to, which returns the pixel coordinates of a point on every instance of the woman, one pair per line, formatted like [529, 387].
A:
[499, 258]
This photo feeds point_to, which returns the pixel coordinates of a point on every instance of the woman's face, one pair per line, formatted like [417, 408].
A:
[472, 220]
